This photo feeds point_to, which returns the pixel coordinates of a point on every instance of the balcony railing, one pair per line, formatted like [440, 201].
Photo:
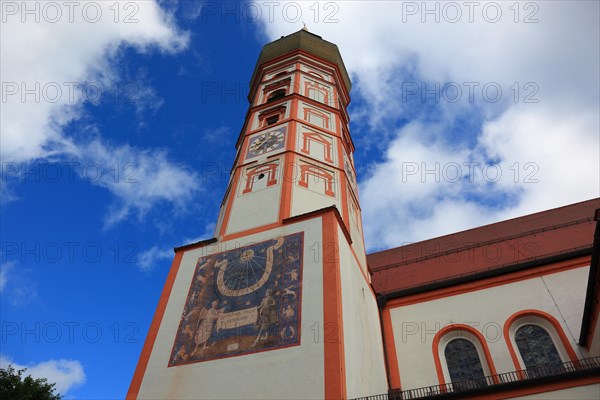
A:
[492, 382]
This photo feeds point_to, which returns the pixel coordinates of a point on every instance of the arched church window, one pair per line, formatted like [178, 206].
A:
[538, 351]
[464, 365]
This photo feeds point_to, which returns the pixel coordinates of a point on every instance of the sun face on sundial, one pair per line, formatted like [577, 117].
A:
[247, 255]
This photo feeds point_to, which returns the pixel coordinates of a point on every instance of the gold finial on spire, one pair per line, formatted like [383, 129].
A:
[304, 28]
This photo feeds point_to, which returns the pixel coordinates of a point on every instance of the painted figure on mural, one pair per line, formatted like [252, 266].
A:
[201, 290]
[267, 316]
[288, 312]
[206, 325]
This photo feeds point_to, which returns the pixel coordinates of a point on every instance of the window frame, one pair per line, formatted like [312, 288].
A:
[462, 331]
[544, 320]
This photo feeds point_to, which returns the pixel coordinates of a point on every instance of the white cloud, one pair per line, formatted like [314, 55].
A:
[554, 60]
[139, 179]
[67, 374]
[4, 271]
[16, 284]
[148, 259]
[544, 163]
[69, 62]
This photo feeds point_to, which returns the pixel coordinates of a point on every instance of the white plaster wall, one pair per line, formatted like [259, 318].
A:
[327, 126]
[359, 248]
[569, 301]
[289, 373]
[257, 208]
[305, 200]
[317, 150]
[363, 346]
[487, 310]
[588, 392]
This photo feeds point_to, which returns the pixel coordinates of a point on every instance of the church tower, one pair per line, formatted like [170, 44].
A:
[279, 303]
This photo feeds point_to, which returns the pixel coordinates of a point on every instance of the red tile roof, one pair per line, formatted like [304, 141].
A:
[514, 241]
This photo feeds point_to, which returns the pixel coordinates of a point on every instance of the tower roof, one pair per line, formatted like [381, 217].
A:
[307, 41]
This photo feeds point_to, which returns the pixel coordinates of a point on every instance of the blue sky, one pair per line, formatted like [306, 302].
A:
[460, 118]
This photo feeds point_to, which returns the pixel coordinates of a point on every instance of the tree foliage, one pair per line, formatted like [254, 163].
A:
[15, 386]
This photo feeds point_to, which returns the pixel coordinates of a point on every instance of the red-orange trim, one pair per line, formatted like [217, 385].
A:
[318, 113]
[541, 314]
[390, 349]
[335, 370]
[317, 87]
[251, 231]
[293, 126]
[289, 162]
[269, 168]
[486, 283]
[308, 137]
[316, 171]
[138, 375]
[460, 327]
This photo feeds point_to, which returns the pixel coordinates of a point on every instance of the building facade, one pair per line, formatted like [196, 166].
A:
[283, 302]
[508, 310]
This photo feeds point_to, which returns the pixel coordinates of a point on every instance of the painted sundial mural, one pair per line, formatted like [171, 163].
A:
[242, 301]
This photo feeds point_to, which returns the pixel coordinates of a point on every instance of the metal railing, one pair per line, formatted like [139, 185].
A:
[499, 380]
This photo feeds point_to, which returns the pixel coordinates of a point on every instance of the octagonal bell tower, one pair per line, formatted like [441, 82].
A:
[278, 304]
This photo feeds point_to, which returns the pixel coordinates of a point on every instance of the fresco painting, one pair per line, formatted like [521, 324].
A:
[242, 301]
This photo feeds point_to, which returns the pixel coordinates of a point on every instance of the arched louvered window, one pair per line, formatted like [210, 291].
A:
[464, 365]
[277, 94]
[537, 350]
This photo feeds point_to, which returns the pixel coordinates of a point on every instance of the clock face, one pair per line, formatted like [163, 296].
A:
[266, 142]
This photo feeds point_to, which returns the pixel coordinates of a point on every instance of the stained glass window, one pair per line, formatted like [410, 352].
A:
[537, 350]
[464, 364]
